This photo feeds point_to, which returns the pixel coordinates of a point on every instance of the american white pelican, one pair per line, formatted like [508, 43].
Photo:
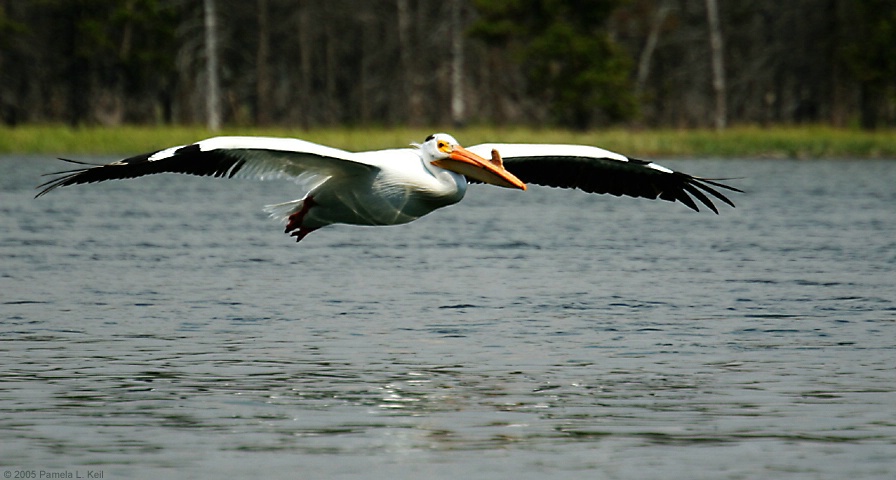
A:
[388, 187]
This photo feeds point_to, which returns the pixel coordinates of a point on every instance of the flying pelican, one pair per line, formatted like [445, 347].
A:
[390, 187]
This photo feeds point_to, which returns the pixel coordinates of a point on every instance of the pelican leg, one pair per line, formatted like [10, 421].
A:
[301, 233]
[294, 224]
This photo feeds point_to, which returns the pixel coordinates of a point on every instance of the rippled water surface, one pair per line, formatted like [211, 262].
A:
[164, 327]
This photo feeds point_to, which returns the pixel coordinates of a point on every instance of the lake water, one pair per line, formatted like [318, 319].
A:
[166, 328]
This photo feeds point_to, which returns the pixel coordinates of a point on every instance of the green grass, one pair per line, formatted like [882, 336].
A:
[773, 142]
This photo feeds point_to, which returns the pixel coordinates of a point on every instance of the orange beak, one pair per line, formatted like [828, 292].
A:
[467, 163]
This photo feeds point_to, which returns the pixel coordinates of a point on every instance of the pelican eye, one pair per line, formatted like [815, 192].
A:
[443, 146]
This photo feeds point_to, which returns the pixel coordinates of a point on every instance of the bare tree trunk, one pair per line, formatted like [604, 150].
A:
[653, 38]
[304, 104]
[363, 76]
[839, 100]
[263, 103]
[718, 64]
[409, 73]
[213, 92]
[332, 99]
[457, 65]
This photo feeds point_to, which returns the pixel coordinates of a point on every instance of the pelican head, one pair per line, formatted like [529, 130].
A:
[443, 151]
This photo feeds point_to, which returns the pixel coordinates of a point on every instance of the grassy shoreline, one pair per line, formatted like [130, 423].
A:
[773, 142]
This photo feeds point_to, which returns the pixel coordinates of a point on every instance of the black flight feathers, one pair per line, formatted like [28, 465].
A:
[189, 159]
[605, 175]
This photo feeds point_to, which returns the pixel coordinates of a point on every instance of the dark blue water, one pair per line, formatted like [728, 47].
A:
[164, 327]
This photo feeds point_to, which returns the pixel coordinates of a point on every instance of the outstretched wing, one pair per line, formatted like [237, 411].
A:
[259, 157]
[596, 170]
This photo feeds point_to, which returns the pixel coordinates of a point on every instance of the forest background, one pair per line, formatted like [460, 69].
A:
[569, 64]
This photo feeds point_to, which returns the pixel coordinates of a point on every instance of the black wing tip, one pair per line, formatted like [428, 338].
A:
[68, 176]
[691, 187]
[78, 162]
[55, 183]
[704, 184]
[716, 182]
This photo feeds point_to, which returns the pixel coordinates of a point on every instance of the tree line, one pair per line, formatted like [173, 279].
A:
[570, 63]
